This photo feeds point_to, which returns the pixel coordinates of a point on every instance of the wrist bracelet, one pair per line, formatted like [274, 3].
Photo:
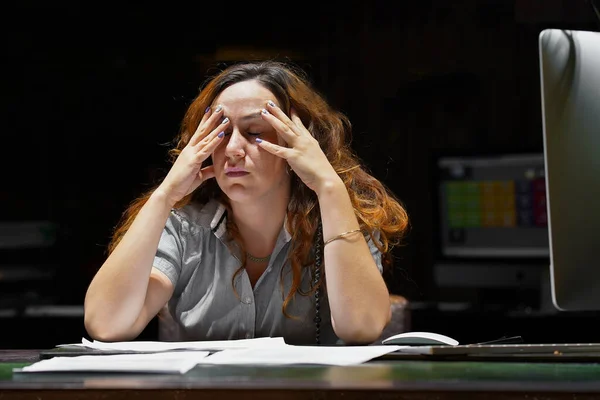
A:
[341, 235]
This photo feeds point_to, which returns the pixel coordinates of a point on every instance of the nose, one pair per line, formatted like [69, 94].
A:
[236, 145]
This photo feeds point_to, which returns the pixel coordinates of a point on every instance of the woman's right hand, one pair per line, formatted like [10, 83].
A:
[187, 173]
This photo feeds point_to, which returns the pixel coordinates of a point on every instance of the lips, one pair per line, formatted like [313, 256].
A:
[234, 172]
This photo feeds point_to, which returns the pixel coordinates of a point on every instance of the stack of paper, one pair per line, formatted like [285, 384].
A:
[176, 362]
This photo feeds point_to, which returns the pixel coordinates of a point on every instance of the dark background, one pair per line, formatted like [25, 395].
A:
[92, 97]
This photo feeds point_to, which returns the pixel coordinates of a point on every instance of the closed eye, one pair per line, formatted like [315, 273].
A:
[228, 133]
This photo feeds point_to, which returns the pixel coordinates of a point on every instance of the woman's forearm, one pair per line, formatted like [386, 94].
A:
[116, 295]
[358, 296]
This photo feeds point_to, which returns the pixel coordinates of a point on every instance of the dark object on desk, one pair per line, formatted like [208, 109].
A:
[507, 358]
[74, 351]
[505, 340]
[558, 352]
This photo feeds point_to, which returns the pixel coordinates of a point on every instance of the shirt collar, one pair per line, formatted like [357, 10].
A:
[218, 224]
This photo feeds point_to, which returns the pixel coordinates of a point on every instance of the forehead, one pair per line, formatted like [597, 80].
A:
[242, 95]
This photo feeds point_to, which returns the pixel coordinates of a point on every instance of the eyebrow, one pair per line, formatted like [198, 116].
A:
[250, 116]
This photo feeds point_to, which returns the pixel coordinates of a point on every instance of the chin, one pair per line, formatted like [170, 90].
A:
[239, 193]
[252, 191]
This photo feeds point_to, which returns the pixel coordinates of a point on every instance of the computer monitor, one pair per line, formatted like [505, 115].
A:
[570, 90]
[491, 220]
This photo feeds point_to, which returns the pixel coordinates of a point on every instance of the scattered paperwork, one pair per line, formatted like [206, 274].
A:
[180, 357]
[176, 362]
[288, 355]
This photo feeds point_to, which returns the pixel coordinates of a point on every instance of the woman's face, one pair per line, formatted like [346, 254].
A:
[245, 172]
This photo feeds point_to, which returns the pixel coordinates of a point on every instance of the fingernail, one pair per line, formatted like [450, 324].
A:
[264, 111]
[219, 108]
[226, 120]
[221, 134]
[207, 109]
[270, 103]
[258, 140]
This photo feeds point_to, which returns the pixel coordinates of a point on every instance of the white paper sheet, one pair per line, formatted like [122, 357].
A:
[288, 354]
[157, 346]
[175, 362]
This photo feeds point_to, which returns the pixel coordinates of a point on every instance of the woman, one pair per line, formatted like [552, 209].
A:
[265, 225]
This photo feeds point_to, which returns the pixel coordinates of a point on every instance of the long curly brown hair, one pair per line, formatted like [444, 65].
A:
[376, 208]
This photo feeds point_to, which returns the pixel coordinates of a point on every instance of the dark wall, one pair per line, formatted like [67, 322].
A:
[93, 97]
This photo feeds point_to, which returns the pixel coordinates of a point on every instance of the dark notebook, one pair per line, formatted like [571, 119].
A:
[555, 352]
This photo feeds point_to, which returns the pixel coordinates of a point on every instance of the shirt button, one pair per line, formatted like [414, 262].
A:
[248, 335]
[247, 300]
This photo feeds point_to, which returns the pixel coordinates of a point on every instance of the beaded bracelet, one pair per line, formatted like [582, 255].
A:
[341, 235]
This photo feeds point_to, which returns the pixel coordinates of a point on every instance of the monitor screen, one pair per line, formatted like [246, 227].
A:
[492, 207]
[570, 92]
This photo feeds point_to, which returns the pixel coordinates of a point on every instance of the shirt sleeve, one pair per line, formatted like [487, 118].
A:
[375, 251]
[170, 248]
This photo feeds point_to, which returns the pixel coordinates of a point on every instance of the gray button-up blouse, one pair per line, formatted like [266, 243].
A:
[208, 305]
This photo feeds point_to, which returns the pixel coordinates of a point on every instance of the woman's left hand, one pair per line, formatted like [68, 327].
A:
[303, 154]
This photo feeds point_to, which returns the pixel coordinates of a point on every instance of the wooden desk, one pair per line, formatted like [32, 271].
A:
[377, 379]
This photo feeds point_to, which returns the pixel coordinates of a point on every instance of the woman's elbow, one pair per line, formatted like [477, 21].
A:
[97, 330]
[92, 327]
[105, 331]
[364, 331]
